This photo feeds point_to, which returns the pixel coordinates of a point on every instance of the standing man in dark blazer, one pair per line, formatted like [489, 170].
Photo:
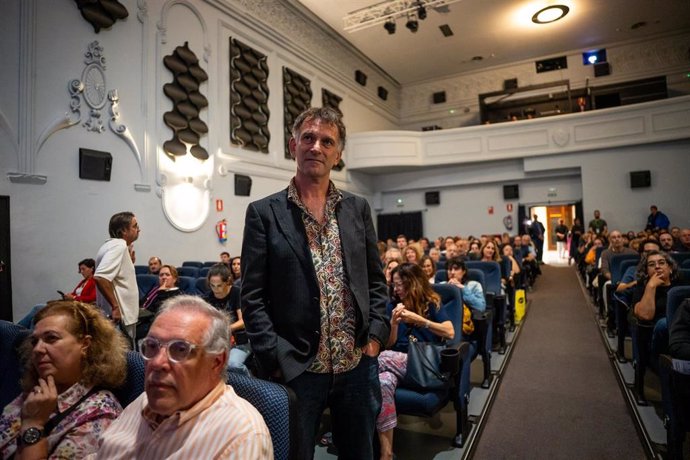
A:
[313, 293]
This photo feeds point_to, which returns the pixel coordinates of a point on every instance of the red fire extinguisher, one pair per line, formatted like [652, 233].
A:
[222, 230]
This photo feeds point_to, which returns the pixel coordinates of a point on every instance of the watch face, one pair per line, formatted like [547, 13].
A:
[94, 86]
[31, 436]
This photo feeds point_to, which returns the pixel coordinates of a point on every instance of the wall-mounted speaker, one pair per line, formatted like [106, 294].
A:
[243, 185]
[602, 69]
[511, 192]
[95, 165]
[439, 97]
[640, 179]
[361, 77]
[382, 92]
[432, 198]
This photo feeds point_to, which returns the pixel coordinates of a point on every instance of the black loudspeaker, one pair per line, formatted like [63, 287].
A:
[511, 192]
[432, 198]
[361, 77]
[602, 69]
[243, 185]
[440, 97]
[510, 84]
[95, 165]
[382, 92]
[640, 179]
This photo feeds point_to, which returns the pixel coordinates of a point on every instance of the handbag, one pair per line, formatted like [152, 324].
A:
[424, 366]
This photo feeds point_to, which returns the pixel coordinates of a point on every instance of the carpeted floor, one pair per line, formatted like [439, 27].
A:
[559, 397]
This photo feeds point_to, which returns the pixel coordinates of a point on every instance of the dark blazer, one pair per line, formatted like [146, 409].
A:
[280, 292]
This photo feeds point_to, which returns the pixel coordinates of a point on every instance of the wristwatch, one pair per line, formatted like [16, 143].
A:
[31, 436]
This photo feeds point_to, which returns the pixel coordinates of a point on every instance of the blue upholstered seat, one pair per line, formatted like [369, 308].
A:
[192, 272]
[202, 286]
[187, 285]
[141, 269]
[276, 404]
[11, 337]
[145, 283]
[192, 263]
[134, 383]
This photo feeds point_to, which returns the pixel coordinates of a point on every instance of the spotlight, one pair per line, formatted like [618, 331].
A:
[421, 12]
[389, 26]
[412, 24]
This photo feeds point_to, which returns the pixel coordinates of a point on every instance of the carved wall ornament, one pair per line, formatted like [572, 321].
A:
[183, 91]
[296, 99]
[101, 14]
[92, 86]
[249, 113]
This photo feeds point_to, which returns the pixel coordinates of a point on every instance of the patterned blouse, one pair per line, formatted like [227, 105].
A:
[337, 352]
[76, 435]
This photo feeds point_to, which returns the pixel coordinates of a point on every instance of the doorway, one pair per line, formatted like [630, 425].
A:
[549, 216]
[5, 265]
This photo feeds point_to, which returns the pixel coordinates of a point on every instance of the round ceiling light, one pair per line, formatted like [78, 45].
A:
[550, 14]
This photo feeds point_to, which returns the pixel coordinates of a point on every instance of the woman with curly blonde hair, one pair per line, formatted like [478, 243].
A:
[72, 358]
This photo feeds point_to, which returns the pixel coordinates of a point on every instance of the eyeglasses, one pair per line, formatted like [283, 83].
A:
[657, 263]
[178, 350]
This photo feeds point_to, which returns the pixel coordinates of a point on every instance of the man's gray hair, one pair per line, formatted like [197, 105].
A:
[217, 336]
[327, 115]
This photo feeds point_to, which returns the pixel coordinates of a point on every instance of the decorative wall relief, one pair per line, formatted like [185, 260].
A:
[329, 99]
[188, 102]
[249, 92]
[296, 99]
[101, 13]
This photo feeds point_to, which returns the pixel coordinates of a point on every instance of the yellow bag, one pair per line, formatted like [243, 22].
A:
[520, 305]
[467, 324]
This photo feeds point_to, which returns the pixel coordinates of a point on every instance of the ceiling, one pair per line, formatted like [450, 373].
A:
[499, 31]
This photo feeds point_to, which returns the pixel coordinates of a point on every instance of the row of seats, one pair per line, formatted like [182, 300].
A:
[192, 272]
[187, 284]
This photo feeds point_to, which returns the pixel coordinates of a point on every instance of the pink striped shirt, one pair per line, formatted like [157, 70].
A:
[220, 426]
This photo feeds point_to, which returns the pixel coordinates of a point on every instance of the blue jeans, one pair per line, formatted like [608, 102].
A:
[354, 399]
[238, 355]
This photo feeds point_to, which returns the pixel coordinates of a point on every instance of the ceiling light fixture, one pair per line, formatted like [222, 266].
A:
[391, 9]
[412, 23]
[389, 26]
[550, 14]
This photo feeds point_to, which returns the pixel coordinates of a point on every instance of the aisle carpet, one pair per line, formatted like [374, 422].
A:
[559, 397]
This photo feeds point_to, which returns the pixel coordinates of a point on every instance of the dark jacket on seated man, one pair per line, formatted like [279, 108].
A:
[679, 333]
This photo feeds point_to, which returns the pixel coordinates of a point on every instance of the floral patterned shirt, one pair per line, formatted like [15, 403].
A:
[337, 351]
[76, 435]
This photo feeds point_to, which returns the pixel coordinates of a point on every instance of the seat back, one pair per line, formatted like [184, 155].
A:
[680, 257]
[192, 263]
[616, 264]
[202, 286]
[492, 275]
[134, 383]
[145, 283]
[441, 276]
[684, 275]
[684, 264]
[674, 297]
[625, 265]
[276, 404]
[11, 337]
[451, 303]
[474, 274]
[187, 285]
[210, 263]
[141, 269]
[203, 272]
[192, 272]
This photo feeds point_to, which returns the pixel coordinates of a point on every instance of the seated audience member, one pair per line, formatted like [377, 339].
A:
[679, 333]
[435, 254]
[472, 292]
[656, 220]
[474, 252]
[657, 273]
[429, 268]
[628, 281]
[187, 411]
[236, 268]
[463, 246]
[72, 358]
[394, 254]
[167, 288]
[401, 242]
[225, 258]
[675, 232]
[84, 292]
[154, 265]
[382, 247]
[388, 272]
[683, 243]
[489, 252]
[529, 261]
[225, 297]
[615, 247]
[413, 253]
[514, 277]
[666, 241]
[425, 244]
[415, 311]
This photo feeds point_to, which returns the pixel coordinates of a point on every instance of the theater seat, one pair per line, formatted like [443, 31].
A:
[11, 337]
[192, 272]
[134, 383]
[187, 285]
[192, 263]
[145, 283]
